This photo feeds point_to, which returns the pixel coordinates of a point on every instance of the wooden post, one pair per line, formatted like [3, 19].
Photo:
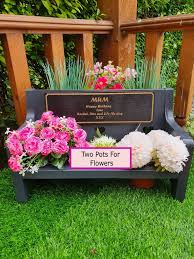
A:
[118, 47]
[17, 67]
[185, 81]
[84, 48]
[153, 48]
[54, 49]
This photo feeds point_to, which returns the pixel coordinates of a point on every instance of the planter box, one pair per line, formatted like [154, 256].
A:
[150, 109]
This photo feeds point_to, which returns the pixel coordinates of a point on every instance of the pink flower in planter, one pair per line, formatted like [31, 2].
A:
[60, 147]
[15, 147]
[33, 145]
[14, 163]
[47, 146]
[79, 135]
[47, 133]
[116, 87]
[101, 83]
[26, 132]
[71, 123]
[47, 116]
[130, 72]
[62, 135]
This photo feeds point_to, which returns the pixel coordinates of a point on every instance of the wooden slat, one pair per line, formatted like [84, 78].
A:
[18, 73]
[54, 49]
[185, 82]
[153, 48]
[166, 23]
[118, 47]
[34, 24]
[84, 48]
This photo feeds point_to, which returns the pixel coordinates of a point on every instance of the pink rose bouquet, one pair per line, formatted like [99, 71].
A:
[109, 77]
[44, 141]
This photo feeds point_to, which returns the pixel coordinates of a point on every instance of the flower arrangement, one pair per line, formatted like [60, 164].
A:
[44, 141]
[170, 153]
[142, 148]
[103, 141]
[49, 140]
[109, 77]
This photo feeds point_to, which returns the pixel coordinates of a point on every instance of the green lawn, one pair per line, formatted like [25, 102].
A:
[96, 221]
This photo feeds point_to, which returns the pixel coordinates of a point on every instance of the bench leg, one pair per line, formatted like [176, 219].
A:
[179, 185]
[178, 188]
[21, 187]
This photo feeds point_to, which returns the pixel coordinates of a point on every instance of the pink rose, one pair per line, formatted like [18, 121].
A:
[14, 163]
[55, 123]
[71, 123]
[79, 135]
[62, 135]
[33, 145]
[47, 133]
[26, 132]
[116, 87]
[47, 116]
[101, 83]
[60, 147]
[46, 147]
[38, 126]
[82, 144]
[13, 136]
[14, 146]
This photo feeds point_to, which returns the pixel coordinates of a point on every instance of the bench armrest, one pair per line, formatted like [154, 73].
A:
[173, 128]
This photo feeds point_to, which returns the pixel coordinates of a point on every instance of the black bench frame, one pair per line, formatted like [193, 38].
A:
[35, 106]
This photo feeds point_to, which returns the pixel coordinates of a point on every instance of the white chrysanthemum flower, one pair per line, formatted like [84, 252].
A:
[142, 148]
[172, 154]
[158, 137]
[103, 141]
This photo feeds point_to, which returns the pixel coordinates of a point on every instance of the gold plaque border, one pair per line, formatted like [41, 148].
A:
[106, 122]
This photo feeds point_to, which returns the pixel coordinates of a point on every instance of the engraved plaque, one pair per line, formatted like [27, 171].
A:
[103, 107]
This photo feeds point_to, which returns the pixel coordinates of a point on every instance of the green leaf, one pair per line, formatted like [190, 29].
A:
[48, 6]
[59, 163]
[57, 156]
[58, 2]
[98, 133]
[42, 161]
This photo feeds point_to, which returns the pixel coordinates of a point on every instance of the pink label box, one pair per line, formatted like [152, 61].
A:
[101, 158]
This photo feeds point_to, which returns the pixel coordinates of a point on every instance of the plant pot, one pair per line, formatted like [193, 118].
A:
[142, 183]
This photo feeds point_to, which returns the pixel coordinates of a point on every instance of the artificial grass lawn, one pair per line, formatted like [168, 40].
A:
[96, 221]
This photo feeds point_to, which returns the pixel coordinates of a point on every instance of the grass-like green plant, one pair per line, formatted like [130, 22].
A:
[147, 77]
[72, 76]
[68, 76]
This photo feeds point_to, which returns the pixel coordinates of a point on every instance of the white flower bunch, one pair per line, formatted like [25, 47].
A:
[170, 153]
[142, 148]
[103, 141]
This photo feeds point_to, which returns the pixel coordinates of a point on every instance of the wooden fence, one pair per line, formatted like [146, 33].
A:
[118, 34]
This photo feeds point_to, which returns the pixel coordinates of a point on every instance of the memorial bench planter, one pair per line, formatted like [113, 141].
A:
[150, 109]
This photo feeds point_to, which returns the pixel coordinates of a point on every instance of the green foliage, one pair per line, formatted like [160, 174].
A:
[146, 76]
[95, 220]
[190, 126]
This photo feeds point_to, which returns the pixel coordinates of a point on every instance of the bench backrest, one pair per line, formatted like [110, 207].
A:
[130, 108]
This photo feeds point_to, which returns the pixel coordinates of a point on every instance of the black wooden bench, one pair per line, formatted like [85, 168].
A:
[161, 118]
